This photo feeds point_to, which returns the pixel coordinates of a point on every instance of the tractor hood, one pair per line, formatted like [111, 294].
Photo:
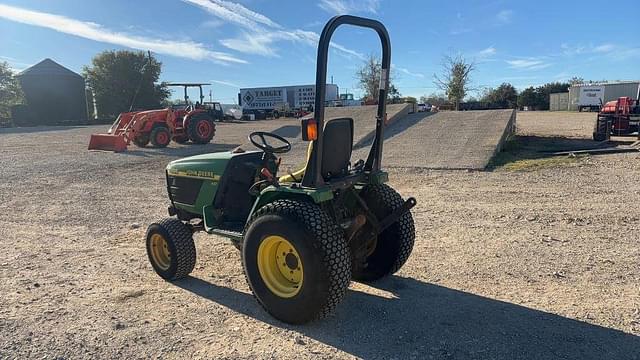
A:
[193, 182]
[206, 166]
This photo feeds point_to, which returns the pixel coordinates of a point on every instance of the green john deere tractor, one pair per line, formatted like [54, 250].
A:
[303, 236]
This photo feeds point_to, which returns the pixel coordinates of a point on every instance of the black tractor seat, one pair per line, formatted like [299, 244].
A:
[336, 154]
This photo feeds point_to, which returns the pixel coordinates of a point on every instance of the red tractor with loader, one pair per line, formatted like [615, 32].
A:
[179, 123]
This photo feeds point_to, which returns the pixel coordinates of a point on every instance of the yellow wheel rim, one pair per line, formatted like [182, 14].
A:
[160, 251]
[280, 266]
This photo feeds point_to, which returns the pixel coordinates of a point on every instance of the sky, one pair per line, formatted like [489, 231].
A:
[252, 43]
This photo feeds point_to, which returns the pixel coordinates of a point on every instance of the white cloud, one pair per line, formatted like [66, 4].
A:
[93, 31]
[528, 64]
[260, 33]
[460, 31]
[226, 83]
[342, 7]
[313, 24]
[347, 51]
[611, 51]
[488, 52]
[569, 50]
[408, 72]
[604, 48]
[258, 44]
[504, 16]
[212, 24]
[514, 78]
[234, 13]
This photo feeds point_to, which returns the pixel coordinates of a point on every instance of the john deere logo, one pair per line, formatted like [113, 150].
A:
[248, 98]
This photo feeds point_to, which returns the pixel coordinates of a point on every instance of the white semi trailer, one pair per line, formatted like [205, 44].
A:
[590, 98]
[281, 100]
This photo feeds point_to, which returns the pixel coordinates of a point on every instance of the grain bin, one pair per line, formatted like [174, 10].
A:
[54, 94]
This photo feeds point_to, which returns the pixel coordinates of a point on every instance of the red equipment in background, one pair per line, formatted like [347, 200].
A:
[156, 126]
[618, 118]
[179, 123]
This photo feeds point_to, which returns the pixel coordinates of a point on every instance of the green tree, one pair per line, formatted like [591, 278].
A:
[505, 96]
[10, 91]
[529, 97]
[547, 89]
[455, 79]
[538, 98]
[576, 80]
[114, 78]
[394, 95]
[368, 76]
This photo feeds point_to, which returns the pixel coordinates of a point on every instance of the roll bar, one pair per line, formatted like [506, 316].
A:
[313, 176]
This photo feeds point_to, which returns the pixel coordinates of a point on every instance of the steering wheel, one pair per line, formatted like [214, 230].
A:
[264, 145]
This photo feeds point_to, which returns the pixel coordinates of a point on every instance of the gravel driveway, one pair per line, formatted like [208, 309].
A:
[539, 263]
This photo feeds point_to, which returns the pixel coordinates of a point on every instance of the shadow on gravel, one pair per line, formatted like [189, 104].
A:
[393, 129]
[422, 320]
[288, 131]
[539, 147]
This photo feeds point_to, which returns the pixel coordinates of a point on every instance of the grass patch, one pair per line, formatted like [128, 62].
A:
[540, 163]
[520, 155]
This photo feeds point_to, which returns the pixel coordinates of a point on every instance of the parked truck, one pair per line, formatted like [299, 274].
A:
[347, 99]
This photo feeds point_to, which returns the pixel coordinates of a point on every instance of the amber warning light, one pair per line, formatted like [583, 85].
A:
[309, 129]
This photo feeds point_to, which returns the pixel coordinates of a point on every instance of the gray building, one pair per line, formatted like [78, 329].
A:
[54, 95]
[584, 95]
[559, 101]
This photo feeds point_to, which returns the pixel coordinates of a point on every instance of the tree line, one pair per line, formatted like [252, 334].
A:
[455, 84]
[505, 96]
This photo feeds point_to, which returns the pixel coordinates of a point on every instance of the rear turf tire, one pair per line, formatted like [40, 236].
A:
[160, 136]
[321, 252]
[394, 244]
[171, 249]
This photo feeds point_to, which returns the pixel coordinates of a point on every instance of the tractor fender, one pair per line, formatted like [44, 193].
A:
[188, 116]
[273, 193]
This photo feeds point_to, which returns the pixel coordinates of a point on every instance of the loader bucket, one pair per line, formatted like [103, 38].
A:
[107, 142]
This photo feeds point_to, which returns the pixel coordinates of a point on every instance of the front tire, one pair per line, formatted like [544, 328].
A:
[296, 261]
[171, 249]
[394, 244]
[160, 136]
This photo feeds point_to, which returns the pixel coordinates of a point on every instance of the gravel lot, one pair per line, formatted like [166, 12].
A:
[538, 263]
